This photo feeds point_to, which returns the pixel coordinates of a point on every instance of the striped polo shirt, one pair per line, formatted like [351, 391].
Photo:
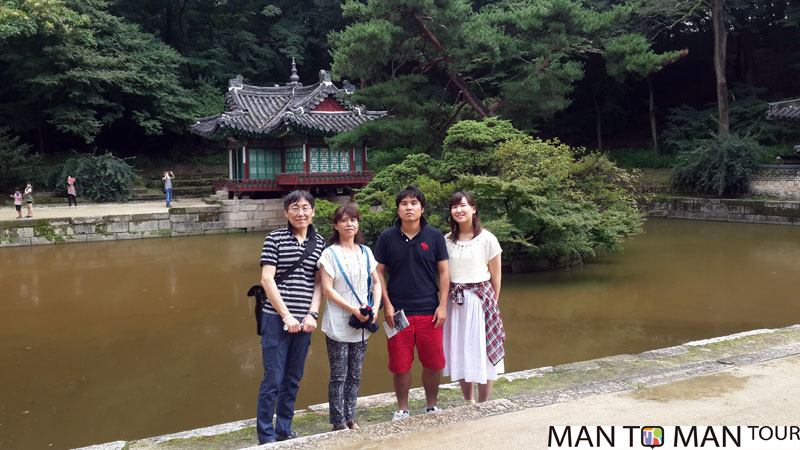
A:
[282, 250]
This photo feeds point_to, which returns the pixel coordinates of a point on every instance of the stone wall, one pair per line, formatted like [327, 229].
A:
[729, 210]
[228, 216]
[780, 181]
[781, 186]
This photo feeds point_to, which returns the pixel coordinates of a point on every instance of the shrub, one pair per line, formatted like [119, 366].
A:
[687, 125]
[532, 194]
[720, 166]
[18, 165]
[103, 178]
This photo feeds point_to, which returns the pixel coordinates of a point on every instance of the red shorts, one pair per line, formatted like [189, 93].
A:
[428, 340]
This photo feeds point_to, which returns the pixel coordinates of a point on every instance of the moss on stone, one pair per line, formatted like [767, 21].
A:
[42, 228]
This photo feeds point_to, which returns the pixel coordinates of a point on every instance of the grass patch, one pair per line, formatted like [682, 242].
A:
[629, 158]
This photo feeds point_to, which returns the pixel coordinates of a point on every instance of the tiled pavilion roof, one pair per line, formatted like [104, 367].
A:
[785, 110]
[257, 110]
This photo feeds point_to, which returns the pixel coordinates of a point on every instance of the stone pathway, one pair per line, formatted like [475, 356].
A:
[101, 209]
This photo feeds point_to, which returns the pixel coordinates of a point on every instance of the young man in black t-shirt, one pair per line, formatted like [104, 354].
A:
[415, 255]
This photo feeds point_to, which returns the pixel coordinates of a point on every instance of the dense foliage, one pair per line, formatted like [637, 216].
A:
[103, 178]
[687, 126]
[719, 166]
[18, 165]
[131, 76]
[543, 199]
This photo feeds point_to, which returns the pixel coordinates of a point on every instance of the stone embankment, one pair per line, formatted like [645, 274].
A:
[199, 217]
[746, 378]
[780, 212]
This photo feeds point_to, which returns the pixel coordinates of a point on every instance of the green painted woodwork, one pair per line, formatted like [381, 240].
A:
[323, 159]
[358, 160]
[264, 163]
[294, 159]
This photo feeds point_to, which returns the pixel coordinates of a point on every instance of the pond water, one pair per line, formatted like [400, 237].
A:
[130, 339]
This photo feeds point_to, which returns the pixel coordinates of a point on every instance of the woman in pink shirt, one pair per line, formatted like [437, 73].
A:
[71, 195]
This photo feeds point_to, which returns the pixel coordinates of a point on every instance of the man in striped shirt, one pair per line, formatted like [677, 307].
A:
[290, 315]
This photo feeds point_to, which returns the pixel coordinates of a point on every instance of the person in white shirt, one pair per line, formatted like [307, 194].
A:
[473, 333]
[349, 282]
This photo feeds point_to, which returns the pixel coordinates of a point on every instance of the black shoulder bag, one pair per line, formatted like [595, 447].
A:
[257, 290]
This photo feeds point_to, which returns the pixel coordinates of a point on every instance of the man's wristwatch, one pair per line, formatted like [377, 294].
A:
[314, 314]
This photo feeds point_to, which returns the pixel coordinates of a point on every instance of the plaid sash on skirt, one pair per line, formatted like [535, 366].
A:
[495, 334]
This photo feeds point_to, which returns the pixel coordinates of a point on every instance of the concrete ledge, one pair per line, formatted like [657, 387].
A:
[529, 389]
[728, 210]
[255, 216]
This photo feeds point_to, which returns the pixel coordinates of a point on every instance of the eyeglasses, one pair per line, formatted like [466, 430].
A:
[295, 209]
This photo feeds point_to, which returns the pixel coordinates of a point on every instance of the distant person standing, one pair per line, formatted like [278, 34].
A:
[71, 195]
[167, 178]
[28, 197]
[17, 202]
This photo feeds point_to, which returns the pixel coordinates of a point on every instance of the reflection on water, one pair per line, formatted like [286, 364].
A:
[129, 339]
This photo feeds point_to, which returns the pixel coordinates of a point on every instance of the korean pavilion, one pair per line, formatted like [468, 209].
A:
[275, 138]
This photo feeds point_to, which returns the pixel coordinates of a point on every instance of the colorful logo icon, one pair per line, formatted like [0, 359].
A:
[424, 246]
[652, 436]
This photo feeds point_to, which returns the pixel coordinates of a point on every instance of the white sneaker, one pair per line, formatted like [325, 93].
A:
[432, 410]
[400, 415]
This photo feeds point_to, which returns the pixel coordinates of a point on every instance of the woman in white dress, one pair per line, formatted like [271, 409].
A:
[342, 262]
[473, 333]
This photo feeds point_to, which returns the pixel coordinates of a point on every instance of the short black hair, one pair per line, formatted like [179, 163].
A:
[410, 191]
[17, 188]
[295, 196]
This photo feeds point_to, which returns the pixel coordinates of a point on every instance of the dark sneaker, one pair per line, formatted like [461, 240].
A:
[280, 438]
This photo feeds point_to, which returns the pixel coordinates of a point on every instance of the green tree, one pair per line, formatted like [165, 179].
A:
[543, 199]
[520, 56]
[25, 18]
[81, 87]
[416, 121]
[545, 208]
[103, 178]
[470, 147]
[19, 165]
[632, 55]
[720, 166]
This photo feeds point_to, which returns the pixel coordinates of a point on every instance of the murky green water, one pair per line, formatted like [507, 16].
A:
[124, 340]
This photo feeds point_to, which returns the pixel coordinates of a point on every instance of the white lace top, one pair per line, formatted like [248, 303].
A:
[469, 260]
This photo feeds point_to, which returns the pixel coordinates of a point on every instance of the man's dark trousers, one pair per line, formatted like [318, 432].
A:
[284, 357]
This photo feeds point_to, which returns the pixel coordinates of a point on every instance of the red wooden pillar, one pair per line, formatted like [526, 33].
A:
[352, 154]
[364, 157]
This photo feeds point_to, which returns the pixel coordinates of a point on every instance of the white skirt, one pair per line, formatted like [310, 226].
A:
[465, 343]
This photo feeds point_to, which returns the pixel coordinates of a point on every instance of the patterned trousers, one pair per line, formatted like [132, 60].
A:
[347, 360]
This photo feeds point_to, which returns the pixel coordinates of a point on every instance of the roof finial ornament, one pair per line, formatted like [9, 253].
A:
[294, 80]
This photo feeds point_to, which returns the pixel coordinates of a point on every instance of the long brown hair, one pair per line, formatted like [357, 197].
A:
[351, 211]
[476, 220]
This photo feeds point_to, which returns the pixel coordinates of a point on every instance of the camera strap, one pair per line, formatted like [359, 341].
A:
[369, 277]
[311, 245]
